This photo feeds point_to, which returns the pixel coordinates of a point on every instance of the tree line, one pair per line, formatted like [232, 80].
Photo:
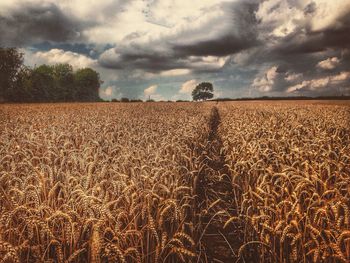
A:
[45, 83]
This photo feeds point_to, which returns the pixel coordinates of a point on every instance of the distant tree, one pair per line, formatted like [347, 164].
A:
[64, 89]
[11, 62]
[22, 91]
[115, 100]
[203, 91]
[43, 84]
[87, 83]
[124, 100]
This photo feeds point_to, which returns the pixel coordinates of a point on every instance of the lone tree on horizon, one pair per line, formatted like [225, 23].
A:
[203, 91]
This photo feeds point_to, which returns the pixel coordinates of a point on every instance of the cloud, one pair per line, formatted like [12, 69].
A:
[341, 76]
[265, 83]
[295, 38]
[55, 56]
[248, 47]
[140, 74]
[175, 72]
[206, 63]
[326, 26]
[199, 43]
[329, 63]
[321, 84]
[23, 23]
[151, 90]
[151, 61]
[108, 92]
[291, 77]
[235, 30]
[329, 15]
[151, 93]
[188, 86]
[278, 18]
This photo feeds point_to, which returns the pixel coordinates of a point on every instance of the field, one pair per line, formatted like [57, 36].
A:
[175, 182]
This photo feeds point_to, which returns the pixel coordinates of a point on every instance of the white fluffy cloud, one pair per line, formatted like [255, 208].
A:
[327, 12]
[175, 72]
[151, 90]
[291, 77]
[342, 76]
[151, 93]
[55, 56]
[207, 62]
[280, 16]
[320, 83]
[329, 63]
[284, 16]
[188, 86]
[108, 92]
[142, 22]
[265, 82]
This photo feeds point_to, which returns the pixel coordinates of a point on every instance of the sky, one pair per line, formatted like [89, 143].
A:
[163, 48]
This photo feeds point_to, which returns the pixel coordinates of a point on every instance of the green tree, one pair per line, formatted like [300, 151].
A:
[11, 62]
[43, 84]
[124, 100]
[87, 83]
[203, 91]
[64, 83]
[21, 92]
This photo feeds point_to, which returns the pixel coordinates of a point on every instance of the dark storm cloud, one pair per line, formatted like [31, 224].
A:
[292, 69]
[28, 24]
[276, 44]
[274, 63]
[142, 60]
[297, 55]
[222, 46]
[154, 63]
[241, 35]
[305, 40]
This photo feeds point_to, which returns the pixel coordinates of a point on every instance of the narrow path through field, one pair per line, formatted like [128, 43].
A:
[214, 201]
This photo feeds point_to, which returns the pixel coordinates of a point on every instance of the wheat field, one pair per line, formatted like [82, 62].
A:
[290, 167]
[175, 182]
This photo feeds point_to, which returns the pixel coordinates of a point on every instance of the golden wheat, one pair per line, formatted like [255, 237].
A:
[83, 183]
[296, 190]
[135, 182]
